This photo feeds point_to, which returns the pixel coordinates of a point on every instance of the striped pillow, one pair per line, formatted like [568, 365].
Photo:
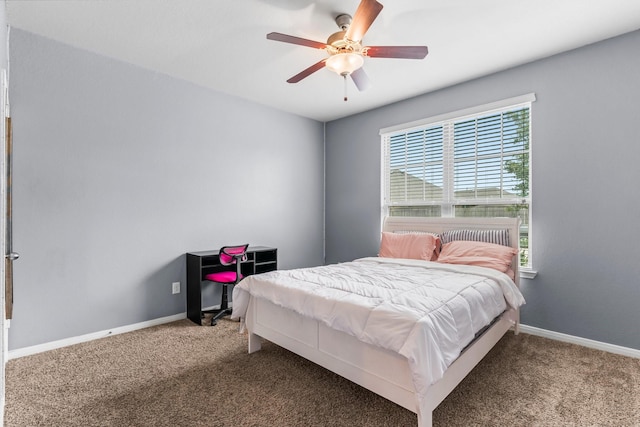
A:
[499, 237]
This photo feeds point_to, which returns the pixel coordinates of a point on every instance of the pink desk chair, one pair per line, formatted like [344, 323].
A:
[229, 255]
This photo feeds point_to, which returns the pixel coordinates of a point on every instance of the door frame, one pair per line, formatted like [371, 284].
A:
[4, 323]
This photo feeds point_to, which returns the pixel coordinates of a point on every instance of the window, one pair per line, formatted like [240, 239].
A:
[470, 163]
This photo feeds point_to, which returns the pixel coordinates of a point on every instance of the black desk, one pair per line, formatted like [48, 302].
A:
[260, 259]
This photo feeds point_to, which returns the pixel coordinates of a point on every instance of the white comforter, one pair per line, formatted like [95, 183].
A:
[425, 311]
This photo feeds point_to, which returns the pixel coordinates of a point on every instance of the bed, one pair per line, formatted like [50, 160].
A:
[403, 363]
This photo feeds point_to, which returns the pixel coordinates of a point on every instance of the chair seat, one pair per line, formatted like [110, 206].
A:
[222, 277]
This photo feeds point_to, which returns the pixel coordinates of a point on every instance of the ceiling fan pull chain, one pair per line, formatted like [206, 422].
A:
[344, 76]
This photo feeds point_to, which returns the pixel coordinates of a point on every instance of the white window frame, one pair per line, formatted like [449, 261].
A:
[447, 120]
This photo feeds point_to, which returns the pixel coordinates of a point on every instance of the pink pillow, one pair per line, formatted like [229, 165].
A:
[481, 254]
[411, 246]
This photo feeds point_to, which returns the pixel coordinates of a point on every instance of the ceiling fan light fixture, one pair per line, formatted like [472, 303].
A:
[344, 63]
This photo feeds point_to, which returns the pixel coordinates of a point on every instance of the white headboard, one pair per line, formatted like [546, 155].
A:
[440, 225]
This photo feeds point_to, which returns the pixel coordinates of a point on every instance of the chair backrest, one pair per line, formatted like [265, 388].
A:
[229, 254]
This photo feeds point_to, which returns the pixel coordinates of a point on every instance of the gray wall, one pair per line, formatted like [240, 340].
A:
[586, 202]
[119, 171]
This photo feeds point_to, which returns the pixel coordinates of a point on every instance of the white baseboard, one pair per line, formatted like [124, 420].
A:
[26, 351]
[611, 348]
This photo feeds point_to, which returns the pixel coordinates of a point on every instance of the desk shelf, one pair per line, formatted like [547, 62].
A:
[260, 259]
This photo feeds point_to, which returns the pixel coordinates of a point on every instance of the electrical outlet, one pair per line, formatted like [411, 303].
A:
[175, 288]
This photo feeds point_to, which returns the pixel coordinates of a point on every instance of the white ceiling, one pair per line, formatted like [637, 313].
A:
[222, 45]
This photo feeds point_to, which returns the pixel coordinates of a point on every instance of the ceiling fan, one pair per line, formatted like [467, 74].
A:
[345, 49]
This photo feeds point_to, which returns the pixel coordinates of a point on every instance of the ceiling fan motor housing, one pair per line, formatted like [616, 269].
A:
[337, 40]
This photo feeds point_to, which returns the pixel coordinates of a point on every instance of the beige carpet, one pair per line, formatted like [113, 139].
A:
[181, 374]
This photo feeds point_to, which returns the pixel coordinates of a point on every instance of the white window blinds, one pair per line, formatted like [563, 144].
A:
[490, 157]
[484, 157]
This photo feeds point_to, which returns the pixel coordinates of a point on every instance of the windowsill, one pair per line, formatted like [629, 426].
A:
[528, 273]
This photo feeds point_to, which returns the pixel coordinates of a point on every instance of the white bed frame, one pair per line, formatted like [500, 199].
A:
[381, 371]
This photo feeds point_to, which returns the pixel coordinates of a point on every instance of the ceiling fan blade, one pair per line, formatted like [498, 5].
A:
[361, 79]
[307, 72]
[279, 37]
[405, 52]
[366, 13]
